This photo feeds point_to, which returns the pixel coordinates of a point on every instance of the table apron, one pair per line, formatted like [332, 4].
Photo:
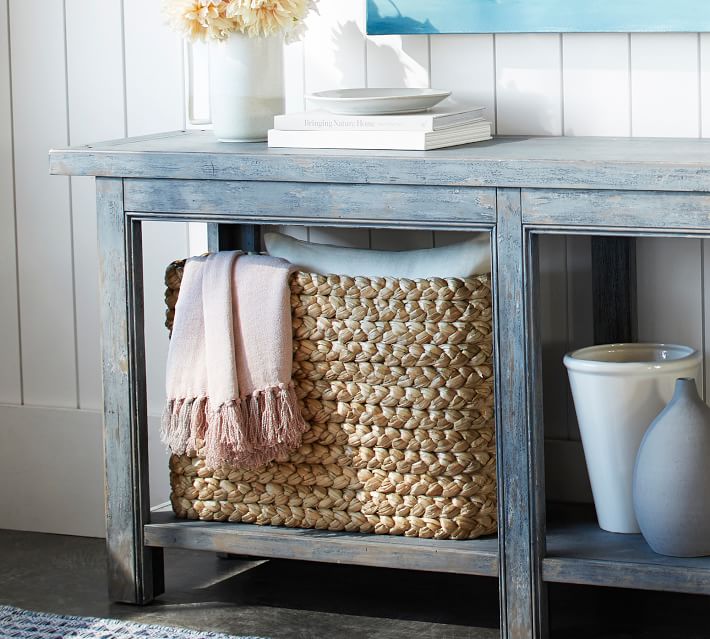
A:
[581, 211]
[316, 203]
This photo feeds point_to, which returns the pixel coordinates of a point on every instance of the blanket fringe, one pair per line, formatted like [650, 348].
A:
[243, 433]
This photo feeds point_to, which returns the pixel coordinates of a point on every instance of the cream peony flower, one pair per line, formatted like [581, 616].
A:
[259, 18]
[216, 19]
[298, 29]
[199, 19]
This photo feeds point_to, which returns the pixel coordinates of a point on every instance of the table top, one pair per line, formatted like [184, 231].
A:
[519, 162]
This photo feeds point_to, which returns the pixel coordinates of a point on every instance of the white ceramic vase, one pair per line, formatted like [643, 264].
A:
[246, 86]
[618, 390]
[672, 476]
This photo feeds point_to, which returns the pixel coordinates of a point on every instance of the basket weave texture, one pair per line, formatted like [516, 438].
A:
[395, 379]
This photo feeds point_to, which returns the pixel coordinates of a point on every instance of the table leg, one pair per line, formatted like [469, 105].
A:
[225, 237]
[135, 572]
[521, 529]
[614, 289]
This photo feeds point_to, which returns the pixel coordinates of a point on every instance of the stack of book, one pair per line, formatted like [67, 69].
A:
[434, 129]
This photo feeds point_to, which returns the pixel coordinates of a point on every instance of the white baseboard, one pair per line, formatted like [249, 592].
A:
[51, 470]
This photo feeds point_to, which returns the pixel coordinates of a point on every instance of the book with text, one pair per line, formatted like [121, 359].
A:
[433, 120]
[395, 140]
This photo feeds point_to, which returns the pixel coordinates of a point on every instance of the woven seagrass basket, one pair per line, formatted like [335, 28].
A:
[395, 380]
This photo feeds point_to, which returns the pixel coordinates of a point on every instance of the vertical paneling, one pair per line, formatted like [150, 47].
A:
[580, 326]
[334, 48]
[154, 70]
[197, 238]
[197, 84]
[596, 88]
[398, 61]
[463, 64]
[704, 55]
[95, 82]
[704, 44]
[665, 99]
[96, 112]
[39, 102]
[197, 99]
[10, 374]
[553, 332]
[294, 76]
[528, 84]
[670, 292]
[163, 242]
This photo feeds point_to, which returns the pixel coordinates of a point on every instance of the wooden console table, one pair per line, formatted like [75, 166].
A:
[514, 188]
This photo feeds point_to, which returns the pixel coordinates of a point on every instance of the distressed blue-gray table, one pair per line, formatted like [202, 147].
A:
[514, 188]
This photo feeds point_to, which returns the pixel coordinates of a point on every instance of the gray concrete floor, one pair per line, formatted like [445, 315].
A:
[298, 600]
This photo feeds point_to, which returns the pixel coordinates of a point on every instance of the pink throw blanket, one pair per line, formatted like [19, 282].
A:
[228, 378]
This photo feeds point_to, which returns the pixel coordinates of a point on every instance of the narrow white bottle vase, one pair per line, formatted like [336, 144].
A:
[246, 86]
[672, 476]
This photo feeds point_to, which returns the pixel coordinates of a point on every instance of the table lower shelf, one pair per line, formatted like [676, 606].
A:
[579, 552]
[471, 557]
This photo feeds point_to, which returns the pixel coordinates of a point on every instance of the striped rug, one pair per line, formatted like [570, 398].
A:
[26, 624]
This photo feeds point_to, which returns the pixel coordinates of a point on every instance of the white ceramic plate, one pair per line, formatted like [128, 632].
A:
[376, 101]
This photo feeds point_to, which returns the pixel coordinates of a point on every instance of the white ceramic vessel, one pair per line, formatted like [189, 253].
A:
[618, 390]
[672, 476]
[246, 86]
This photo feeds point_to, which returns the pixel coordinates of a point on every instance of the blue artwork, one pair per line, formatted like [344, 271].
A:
[535, 16]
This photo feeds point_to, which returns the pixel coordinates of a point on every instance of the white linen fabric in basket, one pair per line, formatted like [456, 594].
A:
[463, 259]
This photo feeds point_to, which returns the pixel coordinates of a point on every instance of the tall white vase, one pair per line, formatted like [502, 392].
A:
[246, 86]
[618, 389]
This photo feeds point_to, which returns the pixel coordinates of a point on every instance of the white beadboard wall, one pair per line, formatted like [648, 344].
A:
[81, 70]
